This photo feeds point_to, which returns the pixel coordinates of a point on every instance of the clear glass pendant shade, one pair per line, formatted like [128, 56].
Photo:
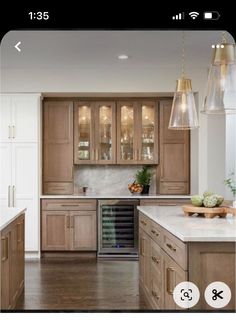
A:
[221, 85]
[183, 112]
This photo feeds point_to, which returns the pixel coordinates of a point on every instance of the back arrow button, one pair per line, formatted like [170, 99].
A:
[17, 46]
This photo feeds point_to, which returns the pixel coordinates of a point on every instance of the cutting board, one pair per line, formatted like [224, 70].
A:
[206, 212]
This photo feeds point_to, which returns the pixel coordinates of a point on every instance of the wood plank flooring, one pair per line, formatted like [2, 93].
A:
[84, 284]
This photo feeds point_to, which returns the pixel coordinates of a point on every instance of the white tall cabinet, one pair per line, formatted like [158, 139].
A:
[19, 160]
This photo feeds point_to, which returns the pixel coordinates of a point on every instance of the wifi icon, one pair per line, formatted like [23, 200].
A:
[194, 14]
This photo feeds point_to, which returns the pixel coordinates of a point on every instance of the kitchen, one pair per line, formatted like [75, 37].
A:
[76, 142]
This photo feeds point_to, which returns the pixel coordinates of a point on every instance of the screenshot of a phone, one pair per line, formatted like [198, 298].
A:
[118, 165]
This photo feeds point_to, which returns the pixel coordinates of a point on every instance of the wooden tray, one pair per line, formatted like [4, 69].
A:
[206, 212]
[230, 210]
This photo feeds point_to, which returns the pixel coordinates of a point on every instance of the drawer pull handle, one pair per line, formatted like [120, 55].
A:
[171, 247]
[155, 295]
[5, 249]
[169, 288]
[70, 205]
[155, 233]
[144, 223]
[155, 260]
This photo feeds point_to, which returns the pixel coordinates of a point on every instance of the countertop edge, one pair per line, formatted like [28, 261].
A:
[8, 222]
[176, 197]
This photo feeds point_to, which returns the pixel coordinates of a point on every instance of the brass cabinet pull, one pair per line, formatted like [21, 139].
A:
[9, 132]
[13, 196]
[171, 247]
[155, 260]
[154, 232]
[9, 197]
[142, 246]
[143, 222]
[68, 221]
[168, 280]
[70, 205]
[155, 294]
[13, 132]
[5, 249]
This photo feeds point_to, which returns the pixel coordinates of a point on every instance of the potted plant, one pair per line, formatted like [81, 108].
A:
[231, 183]
[143, 177]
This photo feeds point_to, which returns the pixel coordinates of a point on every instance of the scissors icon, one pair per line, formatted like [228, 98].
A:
[217, 294]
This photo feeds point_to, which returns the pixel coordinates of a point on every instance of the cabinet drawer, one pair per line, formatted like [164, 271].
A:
[71, 205]
[175, 248]
[144, 222]
[174, 188]
[58, 188]
[156, 293]
[155, 231]
[156, 260]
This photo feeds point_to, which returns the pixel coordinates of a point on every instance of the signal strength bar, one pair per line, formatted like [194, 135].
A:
[179, 16]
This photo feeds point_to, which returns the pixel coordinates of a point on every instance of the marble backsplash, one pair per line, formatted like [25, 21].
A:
[108, 179]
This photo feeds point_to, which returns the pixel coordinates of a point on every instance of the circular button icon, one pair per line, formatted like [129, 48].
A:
[186, 294]
[217, 294]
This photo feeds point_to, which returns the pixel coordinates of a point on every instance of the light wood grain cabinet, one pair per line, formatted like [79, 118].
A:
[174, 155]
[69, 225]
[12, 263]
[95, 132]
[137, 132]
[58, 147]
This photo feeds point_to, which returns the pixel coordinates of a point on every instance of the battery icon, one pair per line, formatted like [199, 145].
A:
[211, 15]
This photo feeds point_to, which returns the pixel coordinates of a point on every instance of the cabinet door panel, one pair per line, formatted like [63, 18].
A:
[25, 118]
[5, 119]
[5, 174]
[144, 258]
[83, 230]
[55, 230]
[5, 270]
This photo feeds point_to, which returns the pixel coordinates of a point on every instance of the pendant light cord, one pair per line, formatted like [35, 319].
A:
[183, 54]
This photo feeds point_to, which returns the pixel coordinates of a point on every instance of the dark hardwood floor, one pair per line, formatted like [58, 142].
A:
[81, 285]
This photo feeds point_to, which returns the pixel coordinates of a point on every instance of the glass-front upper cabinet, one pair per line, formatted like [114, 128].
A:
[105, 132]
[94, 132]
[137, 132]
[148, 143]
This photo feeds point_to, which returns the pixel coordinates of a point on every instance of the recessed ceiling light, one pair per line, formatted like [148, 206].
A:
[123, 57]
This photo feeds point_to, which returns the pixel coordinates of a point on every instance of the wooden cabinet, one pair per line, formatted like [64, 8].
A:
[144, 247]
[58, 147]
[174, 155]
[137, 132]
[69, 225]
[95, 132]
[12, 263]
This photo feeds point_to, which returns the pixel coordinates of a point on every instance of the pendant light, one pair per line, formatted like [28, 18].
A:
[221, 85]
[183, 113]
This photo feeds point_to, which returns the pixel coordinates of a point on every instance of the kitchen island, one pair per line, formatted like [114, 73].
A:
[175, 248]
[12, 255]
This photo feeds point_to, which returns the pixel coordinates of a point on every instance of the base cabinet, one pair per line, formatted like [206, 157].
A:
[12, 263]
[165, 261]
[69, 225]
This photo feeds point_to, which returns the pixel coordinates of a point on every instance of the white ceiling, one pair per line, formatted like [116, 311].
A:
[99, 49]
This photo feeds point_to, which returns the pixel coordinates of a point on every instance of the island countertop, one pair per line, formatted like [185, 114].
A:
[194, 228]
[7, 215]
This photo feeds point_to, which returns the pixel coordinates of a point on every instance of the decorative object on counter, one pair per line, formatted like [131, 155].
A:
[208, 200]
[232, 185]
[85, 190]
[221, 85]
[135, 188]
[206, 212]
[143, 177]
[183, 114]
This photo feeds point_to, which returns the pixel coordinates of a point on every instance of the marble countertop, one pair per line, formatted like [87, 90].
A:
[7, 215]
[114, 196]
[194, 228]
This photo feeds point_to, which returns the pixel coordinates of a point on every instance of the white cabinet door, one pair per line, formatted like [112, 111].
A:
[5, 119]
[25, 178]
[5, 174]
[25, 118]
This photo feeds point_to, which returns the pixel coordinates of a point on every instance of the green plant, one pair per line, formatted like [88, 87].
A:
[231, 183]
[143, 176]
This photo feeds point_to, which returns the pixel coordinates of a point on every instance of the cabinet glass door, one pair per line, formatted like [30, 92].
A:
[126, 136]
[105, 146]
[148, 150]
[84, 133]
